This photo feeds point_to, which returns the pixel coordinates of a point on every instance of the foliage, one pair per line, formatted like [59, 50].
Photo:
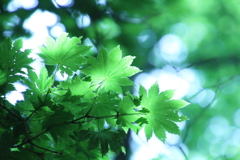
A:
[85, 117]
[203, 34]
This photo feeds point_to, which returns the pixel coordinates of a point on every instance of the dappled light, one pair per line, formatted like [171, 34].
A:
[189, 46]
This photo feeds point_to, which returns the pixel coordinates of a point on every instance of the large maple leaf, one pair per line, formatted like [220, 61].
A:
[65, 52]
[110, 70]
[162, 112]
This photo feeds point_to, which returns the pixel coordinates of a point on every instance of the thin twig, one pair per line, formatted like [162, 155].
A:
[45, 149]
[108, 116]
[4, 107]
[42, 102]
[199, 116]
[183, 152]
[31, 139]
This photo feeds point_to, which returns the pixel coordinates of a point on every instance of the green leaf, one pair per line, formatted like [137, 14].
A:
[163, 112]
[58, 124]
[79, 87]
[3, 77]
[5, 144]
[65, 52]
[127, 114]
[13, 59]
[106, 139]
[110, 70]
[105, 106]
[39, 84]
[23, 155]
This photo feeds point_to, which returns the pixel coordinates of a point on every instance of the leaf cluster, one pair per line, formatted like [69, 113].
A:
[86, 116]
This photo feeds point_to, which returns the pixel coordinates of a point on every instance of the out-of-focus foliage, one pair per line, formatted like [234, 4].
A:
[208, 35]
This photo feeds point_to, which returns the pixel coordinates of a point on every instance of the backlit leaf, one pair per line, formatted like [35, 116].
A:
[110, 70]
[39, 84]
[163, 112]
[65, 52]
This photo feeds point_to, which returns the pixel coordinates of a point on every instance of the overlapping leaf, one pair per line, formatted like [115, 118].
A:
[13, 59]
[56, 123]
[111, 70]
[127, 114]
[65, 52]
[79, 87]
[163, 112]
[3, 77]
[105, 106]
[39, 84]
[106, 139]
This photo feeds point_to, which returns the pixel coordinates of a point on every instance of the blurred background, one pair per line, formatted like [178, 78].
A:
[192, 46]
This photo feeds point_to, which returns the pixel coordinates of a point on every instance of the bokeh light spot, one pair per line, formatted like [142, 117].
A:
[147, 38]
[171, 48]
[83, 21]
[25, 4]
[57, 29]
[64, 3]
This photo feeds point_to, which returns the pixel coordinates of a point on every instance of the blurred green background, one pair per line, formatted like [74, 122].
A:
[192, 46]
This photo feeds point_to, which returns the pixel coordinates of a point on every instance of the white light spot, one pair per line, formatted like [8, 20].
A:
[64, 2]
[83, 21]
[29, 4]
[60, 77]
[168, 78]
[17, 4]
[170, 44]
[101, 2]
[171, 48]
[58, 29]
[39, 20]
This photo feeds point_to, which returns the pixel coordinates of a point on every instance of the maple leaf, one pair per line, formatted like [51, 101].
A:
[39, 84]
[3, 77]
[105, 138]
[127, 114]
[65, 52]
[162, 112]
[110, 70]
[105, 106]
[79, 87]
[13, 59]
[57, 123]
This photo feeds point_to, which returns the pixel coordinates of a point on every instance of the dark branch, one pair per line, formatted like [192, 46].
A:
[45, 149]
[5, 108]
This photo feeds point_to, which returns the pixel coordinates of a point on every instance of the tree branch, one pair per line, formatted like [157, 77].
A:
[42, 102]
[198, 117]
[108, 116]
[45, 149]
[5, 108]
